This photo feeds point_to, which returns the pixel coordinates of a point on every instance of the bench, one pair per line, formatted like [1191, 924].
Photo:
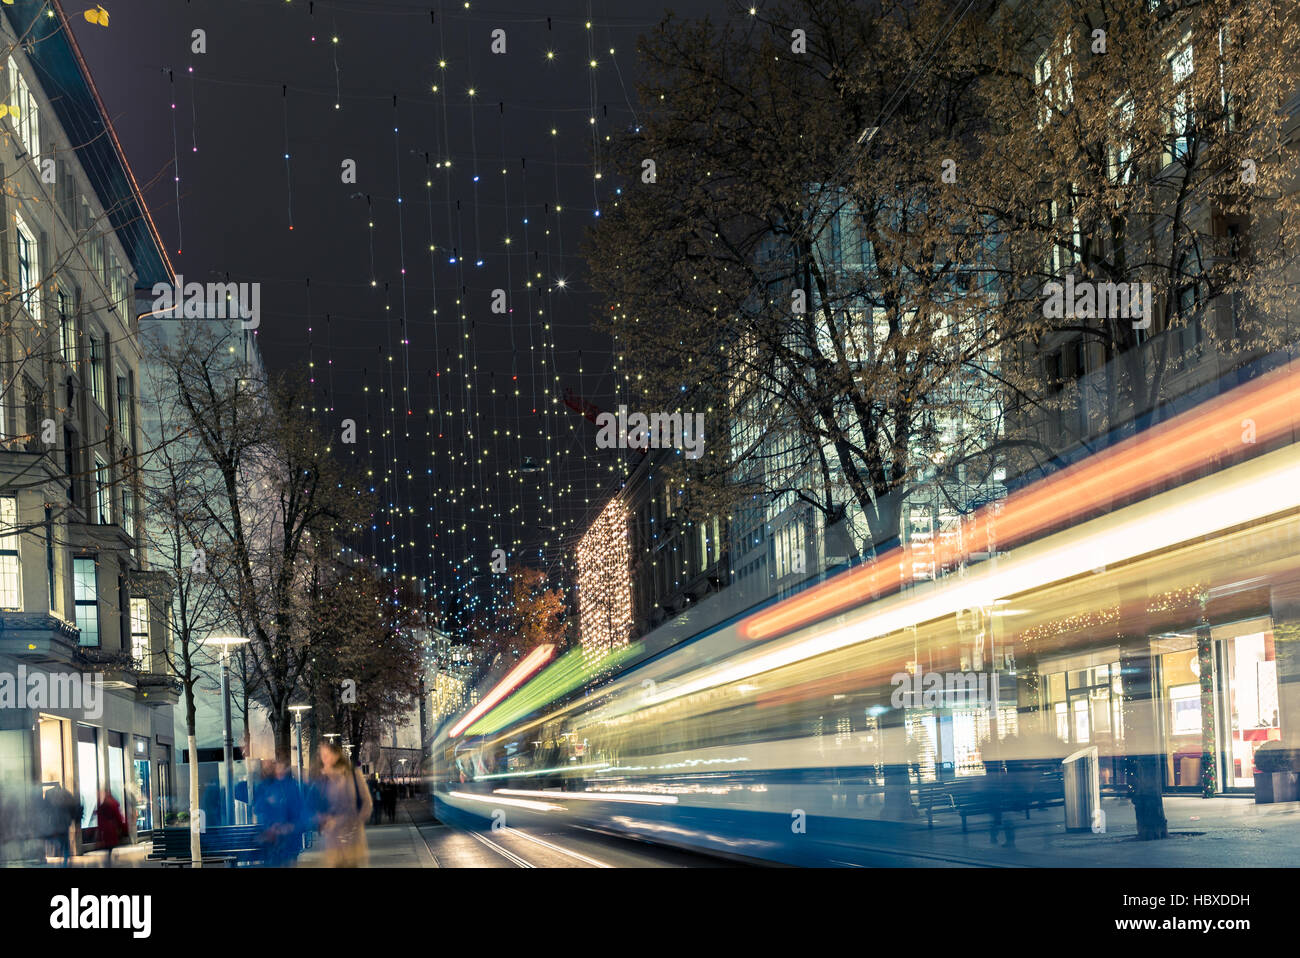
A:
[1006, 787]
[228, 845]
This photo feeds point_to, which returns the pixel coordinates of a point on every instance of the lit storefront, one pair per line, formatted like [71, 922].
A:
[1216, 702]
[1084, 706]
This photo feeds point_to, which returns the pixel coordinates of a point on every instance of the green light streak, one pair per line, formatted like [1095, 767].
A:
[562, 676]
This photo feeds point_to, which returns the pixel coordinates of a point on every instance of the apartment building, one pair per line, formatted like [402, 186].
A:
[79, 608]
[1204, 691]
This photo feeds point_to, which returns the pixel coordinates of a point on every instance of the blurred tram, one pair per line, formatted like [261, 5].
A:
[1136, 613]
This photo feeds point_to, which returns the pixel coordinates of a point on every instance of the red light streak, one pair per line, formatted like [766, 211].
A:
[1153, 457]
[533, 661]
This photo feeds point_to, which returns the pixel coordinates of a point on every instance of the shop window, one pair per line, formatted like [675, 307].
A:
[143, 786]
[1248, 701]
[52, 764]
[117, 766]
[1180, 682]
[88, 771]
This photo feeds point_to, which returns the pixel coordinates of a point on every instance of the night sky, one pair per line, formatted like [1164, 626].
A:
[334, 294]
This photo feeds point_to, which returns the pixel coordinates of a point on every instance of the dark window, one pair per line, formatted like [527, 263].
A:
[70, 462]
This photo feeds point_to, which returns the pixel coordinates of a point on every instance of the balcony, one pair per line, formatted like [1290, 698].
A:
[158, 689]
[117, 667]
[38, 638]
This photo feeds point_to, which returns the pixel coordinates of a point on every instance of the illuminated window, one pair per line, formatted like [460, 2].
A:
[140, 631]
[1056, 86]
[1121, 154]
[85, 594]
[1180, 120]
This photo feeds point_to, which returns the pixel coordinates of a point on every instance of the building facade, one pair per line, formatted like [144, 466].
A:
[79, 606]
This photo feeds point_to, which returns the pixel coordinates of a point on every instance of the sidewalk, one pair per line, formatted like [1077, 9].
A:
[391, 846]
[1203, 833]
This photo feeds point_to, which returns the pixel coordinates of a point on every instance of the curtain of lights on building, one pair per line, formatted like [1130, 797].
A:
[605, 584]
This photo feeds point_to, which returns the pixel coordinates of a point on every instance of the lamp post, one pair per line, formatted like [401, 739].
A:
[226, 643]
[297, 711]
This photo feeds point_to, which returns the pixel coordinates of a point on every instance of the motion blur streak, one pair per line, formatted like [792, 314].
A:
[1142, 462]
[531, 663]
[593, 796]
[561, 677]
[1245, 493]
[516, 802]
[1114, 640]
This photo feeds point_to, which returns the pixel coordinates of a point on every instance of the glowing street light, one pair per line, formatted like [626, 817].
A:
[297, 711]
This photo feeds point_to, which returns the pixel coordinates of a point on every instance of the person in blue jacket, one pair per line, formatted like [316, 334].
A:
[281, 811]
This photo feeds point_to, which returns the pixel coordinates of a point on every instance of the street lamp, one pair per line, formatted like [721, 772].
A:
[297, 711]
[226, 643]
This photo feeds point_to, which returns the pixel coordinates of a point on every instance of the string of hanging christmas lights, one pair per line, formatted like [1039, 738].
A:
[506, 465]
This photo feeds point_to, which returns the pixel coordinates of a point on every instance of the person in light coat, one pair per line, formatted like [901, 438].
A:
[345, 807]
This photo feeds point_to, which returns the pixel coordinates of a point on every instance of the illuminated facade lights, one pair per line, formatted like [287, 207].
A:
[605, 584]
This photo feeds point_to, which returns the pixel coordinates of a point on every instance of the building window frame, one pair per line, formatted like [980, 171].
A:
[27, 124]
[29, 267]
[103, 492]
[85, 596]
[140, 631]
[97, 364]
[11, 563]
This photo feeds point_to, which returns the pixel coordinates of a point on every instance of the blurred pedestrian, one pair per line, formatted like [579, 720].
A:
[390, 801]
[110, 825]
[279, 808]
[62, 812]
[376, 798]
[346, 806]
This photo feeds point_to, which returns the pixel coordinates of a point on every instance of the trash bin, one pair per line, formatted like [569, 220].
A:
[1082, 789]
